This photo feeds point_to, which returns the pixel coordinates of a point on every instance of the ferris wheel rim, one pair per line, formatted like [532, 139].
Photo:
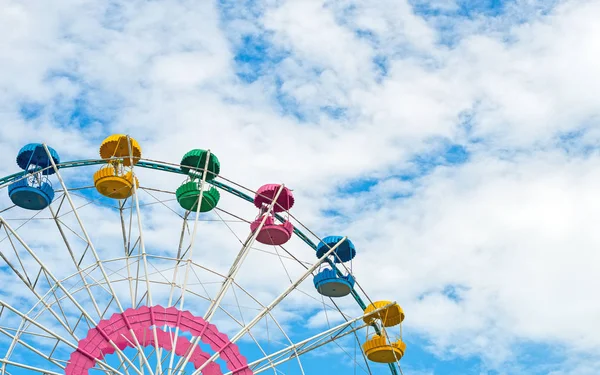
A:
[175, 168]
[169, 167]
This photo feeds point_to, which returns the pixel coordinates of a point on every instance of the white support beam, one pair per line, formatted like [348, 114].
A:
[233, 270]
[52, 333]
[317, 339]
[144, 260]
[235, 267]
[271, 306]
[28, 367]
[189, 260]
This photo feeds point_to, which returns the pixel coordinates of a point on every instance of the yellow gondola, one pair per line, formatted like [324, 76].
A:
[116, 180]
[380, 347]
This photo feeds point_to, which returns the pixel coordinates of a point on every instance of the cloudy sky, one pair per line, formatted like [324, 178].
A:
[455, 142]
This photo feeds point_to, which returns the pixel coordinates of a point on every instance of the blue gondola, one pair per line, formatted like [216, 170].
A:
[328, 282]
[34, 191]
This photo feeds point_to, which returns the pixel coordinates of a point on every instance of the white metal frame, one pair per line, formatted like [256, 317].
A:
[52, 302]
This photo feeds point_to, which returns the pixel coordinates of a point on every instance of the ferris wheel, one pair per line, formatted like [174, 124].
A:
[126, 265]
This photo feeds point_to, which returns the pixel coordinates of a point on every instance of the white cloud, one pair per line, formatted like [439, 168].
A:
[514, 227]
[518, 236]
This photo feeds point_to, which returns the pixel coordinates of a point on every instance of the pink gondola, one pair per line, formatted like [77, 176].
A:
[271, 232]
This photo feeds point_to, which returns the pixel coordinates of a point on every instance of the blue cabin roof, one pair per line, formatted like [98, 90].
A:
[34, 154]
[345, 251]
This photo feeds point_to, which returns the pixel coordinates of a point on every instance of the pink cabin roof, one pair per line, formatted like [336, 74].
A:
[266, 193]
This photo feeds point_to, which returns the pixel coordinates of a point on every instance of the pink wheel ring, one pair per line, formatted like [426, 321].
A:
[117, 330]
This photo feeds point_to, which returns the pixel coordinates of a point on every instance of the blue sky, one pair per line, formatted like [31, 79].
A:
[455, 142]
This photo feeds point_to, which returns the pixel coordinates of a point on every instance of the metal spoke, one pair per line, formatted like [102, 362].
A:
[59, 308]
[26, 345]
[270, 307]
[191, 249]
[92, 248]
[235, 267]
[28, 367]
[126, 245]
[60, 285]
[313, 342]
[144, 260]
[52, 333]
[77, 264]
